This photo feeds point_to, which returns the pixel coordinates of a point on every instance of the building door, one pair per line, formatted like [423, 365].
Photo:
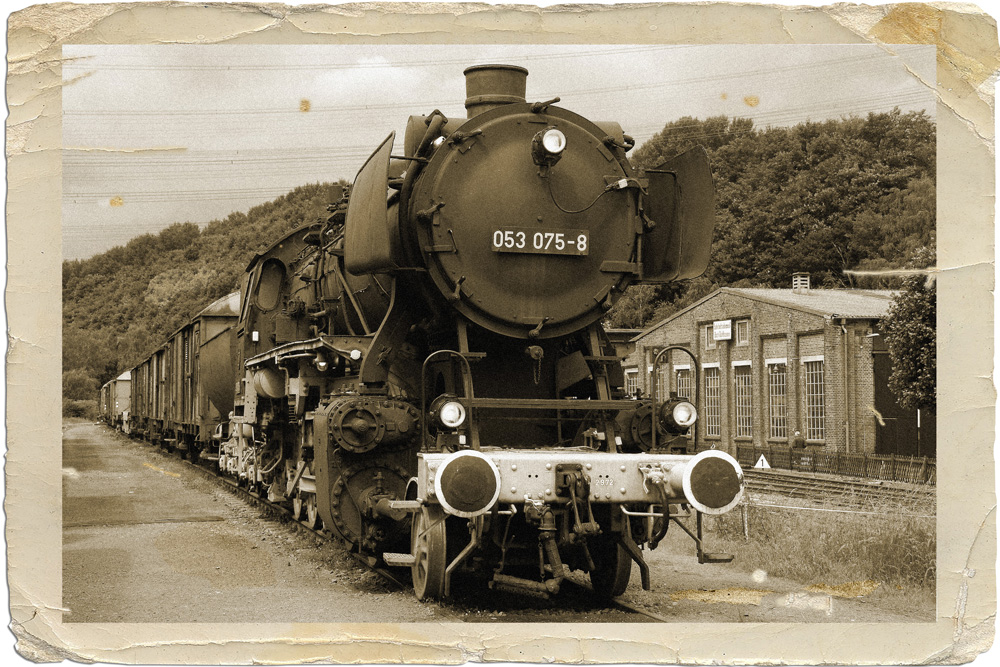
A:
[897, 432]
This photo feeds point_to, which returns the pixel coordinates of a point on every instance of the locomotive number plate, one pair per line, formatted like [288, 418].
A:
[542, 241]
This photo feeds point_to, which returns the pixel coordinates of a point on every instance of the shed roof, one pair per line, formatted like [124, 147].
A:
[846, 303]
[851, 303]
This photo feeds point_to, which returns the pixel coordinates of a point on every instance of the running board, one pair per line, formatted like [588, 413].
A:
[398, 560]
[716, 558]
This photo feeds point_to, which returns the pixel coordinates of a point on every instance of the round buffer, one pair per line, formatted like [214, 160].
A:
[713, 482]
[467, 484]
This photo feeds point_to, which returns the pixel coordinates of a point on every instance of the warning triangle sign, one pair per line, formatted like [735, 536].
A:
[761, 463]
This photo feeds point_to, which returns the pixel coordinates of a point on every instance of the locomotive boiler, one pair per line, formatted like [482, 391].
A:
[426, 374]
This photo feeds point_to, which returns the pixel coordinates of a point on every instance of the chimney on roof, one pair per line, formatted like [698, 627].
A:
[800, 282]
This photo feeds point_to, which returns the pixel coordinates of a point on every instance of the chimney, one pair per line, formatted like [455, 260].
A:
[800, 282]
[490, 86]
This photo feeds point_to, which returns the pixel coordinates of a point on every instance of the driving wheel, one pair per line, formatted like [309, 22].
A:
[312, 514]
[613, 567]
[428, 545]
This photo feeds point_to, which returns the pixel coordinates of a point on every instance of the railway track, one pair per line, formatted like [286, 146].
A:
[835, 492]
[257, 500]
[575, 589]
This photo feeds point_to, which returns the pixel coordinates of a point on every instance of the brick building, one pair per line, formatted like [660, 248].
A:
[774, 361]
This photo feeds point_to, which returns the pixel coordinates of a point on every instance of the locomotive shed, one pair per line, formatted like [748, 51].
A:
[148, 539]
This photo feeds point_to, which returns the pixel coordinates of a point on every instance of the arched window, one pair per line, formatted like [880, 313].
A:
[272, 276]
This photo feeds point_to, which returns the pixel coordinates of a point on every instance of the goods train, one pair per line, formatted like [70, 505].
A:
[425, 372]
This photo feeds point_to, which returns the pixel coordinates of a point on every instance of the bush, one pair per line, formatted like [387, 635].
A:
[86, 409]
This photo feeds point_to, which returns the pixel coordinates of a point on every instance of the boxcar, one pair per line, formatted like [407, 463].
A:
[193, 366]
[114, 401]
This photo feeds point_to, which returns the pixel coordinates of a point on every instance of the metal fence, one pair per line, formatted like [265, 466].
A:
[888, 468]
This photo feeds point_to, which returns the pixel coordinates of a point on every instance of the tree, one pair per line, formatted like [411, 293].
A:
[910, 330]
[79, 385]
[635, 308]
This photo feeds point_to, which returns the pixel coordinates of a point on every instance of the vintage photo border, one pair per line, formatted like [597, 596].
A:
[966, 586]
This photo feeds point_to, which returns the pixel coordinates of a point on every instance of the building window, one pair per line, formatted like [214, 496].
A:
[776, 401]
[744, 421]
[815, 401]
[742, 332]
[684, 383]
[631, 381]
[708, 336]
[662, 383]
[713, 402]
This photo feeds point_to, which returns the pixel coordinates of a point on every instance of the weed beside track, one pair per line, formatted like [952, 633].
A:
[890, 540]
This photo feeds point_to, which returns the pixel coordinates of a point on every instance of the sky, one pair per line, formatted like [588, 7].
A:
[157, 134]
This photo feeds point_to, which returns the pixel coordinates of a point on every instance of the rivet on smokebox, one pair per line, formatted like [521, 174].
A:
[513, 466]
[608, 496]
[622, 468]
[622, 489]
[513, 489]
[548, 492]
[548, 466]
[589, 466]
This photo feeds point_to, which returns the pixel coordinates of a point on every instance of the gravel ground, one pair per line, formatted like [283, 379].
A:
[146, 540]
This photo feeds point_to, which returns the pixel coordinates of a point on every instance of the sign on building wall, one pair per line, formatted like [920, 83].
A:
[722, 329]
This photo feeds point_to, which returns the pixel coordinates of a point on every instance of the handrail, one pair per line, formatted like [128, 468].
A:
[654, 386]
[466, 389]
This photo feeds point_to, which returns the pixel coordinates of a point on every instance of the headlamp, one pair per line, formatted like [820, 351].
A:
[677, 415]
[448, 411]
[321, 363]
[547, 146]
[553, 141]
[685, 414]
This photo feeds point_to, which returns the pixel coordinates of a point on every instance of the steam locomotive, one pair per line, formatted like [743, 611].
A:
[425, 372]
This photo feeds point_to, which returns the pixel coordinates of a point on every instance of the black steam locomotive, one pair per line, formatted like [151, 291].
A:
[426, 373]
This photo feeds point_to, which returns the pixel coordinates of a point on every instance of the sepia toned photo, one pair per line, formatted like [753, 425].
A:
[376, 341]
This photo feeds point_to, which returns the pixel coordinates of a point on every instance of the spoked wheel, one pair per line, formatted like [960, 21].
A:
[613, 567]
[297, 507]
[428, 544]
[312, 513]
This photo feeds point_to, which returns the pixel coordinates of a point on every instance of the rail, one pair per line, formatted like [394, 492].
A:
[886, 468]
[836, 493]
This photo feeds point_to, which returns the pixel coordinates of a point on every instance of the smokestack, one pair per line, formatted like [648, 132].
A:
[490, 86]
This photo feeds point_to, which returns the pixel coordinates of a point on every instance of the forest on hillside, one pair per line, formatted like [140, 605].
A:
[828, 197]
[120, 305]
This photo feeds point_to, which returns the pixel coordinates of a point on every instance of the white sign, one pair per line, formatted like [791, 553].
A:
[761, 463]
[722, 330]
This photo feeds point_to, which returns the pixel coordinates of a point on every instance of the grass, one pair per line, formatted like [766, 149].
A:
[895, 545]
